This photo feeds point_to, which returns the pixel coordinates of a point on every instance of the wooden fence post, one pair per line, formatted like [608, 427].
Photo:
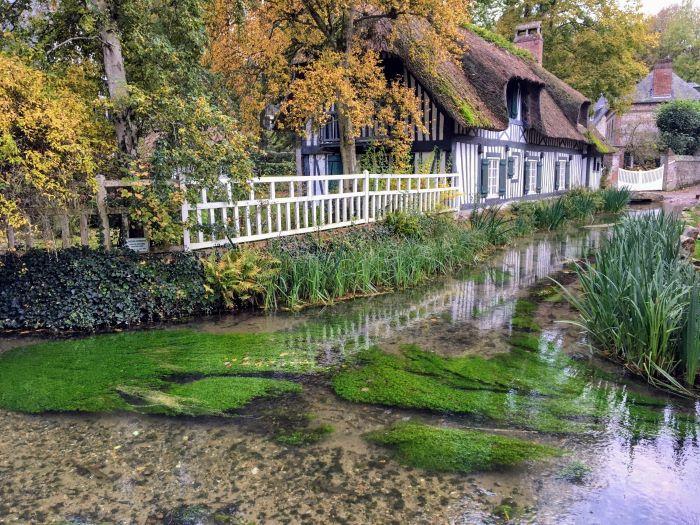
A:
[102, 210]
[84, 230]
[186, 215]
[366, 203]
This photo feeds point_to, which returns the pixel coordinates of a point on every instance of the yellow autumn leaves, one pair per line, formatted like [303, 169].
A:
[51, 142]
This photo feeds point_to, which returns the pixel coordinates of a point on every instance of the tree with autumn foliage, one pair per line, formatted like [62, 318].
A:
[52, 143]
[314, 56]
[169, 115]
[597, 46]
[678, 28]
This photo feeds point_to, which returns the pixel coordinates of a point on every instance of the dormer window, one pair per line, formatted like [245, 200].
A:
[514, 100]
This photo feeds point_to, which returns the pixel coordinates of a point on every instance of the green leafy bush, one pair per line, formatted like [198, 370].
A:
[79, 289]
[404, 224]
[679, 124]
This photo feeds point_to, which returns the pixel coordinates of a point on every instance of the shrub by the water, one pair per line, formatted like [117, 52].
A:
[639, 302]
[83, 289]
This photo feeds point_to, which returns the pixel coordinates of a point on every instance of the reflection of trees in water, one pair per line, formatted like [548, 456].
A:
[487, 300]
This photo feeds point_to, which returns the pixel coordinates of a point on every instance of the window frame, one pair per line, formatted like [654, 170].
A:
[493, 161]
[514, 91]
[531, 175]
[517, 162]
[562, 161]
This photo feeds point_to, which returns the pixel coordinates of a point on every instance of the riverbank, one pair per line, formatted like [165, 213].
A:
[82, 290]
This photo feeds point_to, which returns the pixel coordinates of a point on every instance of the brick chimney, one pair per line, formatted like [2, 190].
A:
[662, 78]
[529, 37]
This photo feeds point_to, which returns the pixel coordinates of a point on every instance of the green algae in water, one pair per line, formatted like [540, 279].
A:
[88, 374]
[453, 450]
[544, 391]
[304, 436]
[212, 396]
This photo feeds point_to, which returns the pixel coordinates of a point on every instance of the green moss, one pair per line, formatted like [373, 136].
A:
[305, 436]
[212, 396]
[89, 374]
[525, 341]
[499, 41]
[523, 316]
[452, 450]
[599, 144]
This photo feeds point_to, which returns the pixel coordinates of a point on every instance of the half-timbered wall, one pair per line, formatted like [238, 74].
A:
[466, 160]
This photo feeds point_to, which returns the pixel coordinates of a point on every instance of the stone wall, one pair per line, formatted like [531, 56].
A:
[681, 171]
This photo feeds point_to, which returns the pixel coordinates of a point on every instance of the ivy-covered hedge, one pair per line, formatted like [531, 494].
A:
[82, 289]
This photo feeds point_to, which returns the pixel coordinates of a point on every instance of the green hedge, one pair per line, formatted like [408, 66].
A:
[80, 289]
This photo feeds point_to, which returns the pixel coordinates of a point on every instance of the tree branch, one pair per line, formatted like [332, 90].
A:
[72, 39]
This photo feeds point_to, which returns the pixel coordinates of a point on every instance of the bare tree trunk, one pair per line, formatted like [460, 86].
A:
[102, 210]
[65, 230]
[348, 152]
[30, 236]
[47, 232]
[115, 74]
[10, 238]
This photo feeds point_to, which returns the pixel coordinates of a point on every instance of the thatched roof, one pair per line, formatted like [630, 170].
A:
[473, 90]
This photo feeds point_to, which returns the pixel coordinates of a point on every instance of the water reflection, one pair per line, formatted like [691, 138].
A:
[485, 299]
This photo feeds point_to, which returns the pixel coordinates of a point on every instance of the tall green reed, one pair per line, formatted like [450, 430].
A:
[638, 302]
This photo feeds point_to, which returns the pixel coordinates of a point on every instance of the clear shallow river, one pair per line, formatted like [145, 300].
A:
[129, 468]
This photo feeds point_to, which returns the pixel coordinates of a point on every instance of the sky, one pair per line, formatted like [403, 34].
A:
[651, 7]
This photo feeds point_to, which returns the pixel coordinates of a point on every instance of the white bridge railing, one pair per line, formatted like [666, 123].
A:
[650, 180]
[279, 206]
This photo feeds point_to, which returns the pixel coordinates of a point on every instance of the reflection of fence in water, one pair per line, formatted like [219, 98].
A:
[489, 305]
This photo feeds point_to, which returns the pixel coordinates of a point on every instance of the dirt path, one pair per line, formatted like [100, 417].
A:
[682, 198]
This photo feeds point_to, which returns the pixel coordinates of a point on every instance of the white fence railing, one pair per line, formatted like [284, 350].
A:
[279, 206]
[650, 180]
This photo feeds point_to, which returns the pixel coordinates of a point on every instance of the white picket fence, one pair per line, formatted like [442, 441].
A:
[650, 180]
[280, 206]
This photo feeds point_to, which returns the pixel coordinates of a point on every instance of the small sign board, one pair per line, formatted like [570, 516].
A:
[138, 244]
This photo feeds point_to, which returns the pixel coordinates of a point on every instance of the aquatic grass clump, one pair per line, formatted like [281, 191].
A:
[549, 215]
[638, 302]
[455, 450]
[614, 200]
[581, 204]
[130, 370]
[493, 224]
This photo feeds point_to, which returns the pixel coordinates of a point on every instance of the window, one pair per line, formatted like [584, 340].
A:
[493, 177]
[516, 167]
[513, 98]
[531, 175]
[562, 175]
